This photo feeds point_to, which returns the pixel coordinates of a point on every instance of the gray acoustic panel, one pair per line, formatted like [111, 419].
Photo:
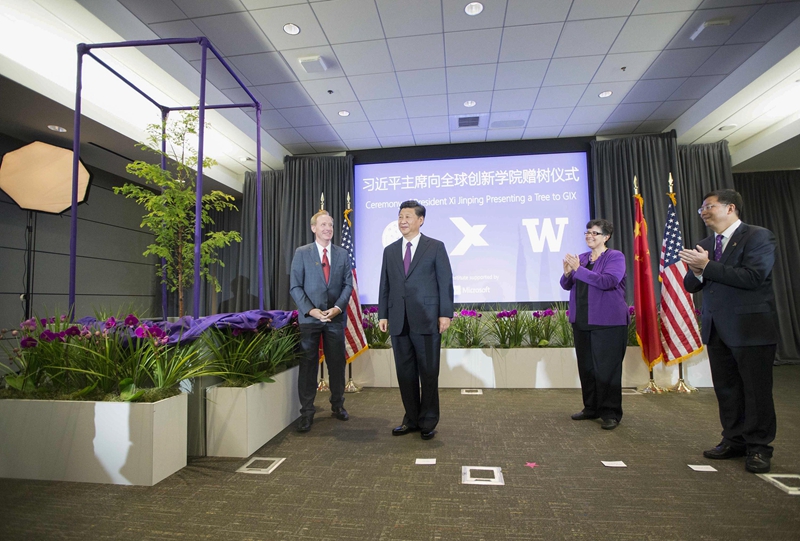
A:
[94, 276]
[13, 221]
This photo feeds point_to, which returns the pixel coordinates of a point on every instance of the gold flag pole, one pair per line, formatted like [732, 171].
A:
[322, 385]
[681, 386]
[652, 387]
[351, 386]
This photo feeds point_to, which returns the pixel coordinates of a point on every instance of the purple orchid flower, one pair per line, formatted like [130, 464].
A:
[110, 322]
[131, 321]
[28, 342]
[28, 324]
[72, 331]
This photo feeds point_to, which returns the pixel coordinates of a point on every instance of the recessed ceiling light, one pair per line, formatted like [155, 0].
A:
[728, 127]
[605, 94]
[245, 159]
[53, 127]
[473, 8]
[291, 29]
[344, 113]
[469, 103]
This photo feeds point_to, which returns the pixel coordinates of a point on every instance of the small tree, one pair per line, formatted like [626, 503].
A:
[171, 208]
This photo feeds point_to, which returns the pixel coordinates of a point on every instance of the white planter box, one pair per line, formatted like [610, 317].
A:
[239, 420]
[524, 368]
[118, 443]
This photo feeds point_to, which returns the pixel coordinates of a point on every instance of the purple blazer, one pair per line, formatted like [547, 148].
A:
[606, 282]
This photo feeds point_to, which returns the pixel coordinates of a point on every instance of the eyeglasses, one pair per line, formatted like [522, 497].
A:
[593, 233]
[709, 207]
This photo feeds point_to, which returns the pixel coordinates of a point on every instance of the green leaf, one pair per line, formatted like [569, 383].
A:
[85, 390]
[20, 383]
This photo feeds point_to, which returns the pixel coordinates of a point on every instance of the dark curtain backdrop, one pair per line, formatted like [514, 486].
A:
[213, 301]
[772, 200]
[290, 197]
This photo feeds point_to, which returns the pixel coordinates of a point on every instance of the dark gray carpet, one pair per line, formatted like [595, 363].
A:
[353, 480]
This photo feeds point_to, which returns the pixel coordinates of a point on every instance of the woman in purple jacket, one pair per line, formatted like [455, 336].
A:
[599, 316]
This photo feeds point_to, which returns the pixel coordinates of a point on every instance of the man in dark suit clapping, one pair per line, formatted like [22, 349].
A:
[416, 304]
[321, 283]
[733, 268]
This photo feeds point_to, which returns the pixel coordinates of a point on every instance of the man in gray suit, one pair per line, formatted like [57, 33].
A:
[416, 305]
[321, 283]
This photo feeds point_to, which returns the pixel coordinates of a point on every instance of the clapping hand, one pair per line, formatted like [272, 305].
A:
[696, 259]
[571, 264]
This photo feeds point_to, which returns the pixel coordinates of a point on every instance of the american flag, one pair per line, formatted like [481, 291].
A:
[680, 335]
[355, 341]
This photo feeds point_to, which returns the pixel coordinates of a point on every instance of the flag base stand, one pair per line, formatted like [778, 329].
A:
[351, 387]
[652, 388]
[683, 387]
[323, 386]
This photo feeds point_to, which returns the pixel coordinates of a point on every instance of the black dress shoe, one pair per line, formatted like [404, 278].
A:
[723, 451]
[757, 463]
[340, 413]
[581, 416]
[402, 430]
[304, 424]
[609, 424]
[428, 434]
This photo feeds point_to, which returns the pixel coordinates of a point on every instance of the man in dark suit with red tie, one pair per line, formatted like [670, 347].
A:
[733, 268]
[416, 305]
[321, 283]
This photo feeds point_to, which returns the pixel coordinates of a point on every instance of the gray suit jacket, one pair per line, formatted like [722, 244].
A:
[307, 282]
[423, 296]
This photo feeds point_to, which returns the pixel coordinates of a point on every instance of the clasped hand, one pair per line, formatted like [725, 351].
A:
[696, 259]
[325, 315]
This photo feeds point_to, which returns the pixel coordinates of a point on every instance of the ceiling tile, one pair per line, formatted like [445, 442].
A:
[319, 90]
[653, 126]
[238, 95]
[153, 12]
[618, 92]
[356, 130]
[456, 19]
[331, 112]
[299, 148]
[471, 78]
[472, 47]
[549, 117]
[696, 87]
[580, 130]
[635, 65]
[261, 4]
[570, 71]
[218, 76]
[766, 23]
[410, 17]
[549, 132]
[263, 68]
[329, 146]
[180, 29]
[618, 128]
[678, 62]
[653, 90]
[709, 4]
[526, 74]
[326, 53]
[513, 134]
[483, 101]
[514, 100]
[523, 12]
[418, 52]
[559, 96]
[629, 112]
[532, 42]
[646, 7]
[286, 136]
[391, 128]
[273, 120]
[286, 95]
[349, 20]
[384, 109]
[272, 20]
[592, 9]
[593, 114]
[649, 32]
[364, 57]
[727, 58]
[304, 116]
[433, 139]
[193, 8]
[317, 134]
[357, 144]
[712, 35]
[234, 34]
[426, 106]
[434, 124]
[594, 36]
[375, 87]
[397, 141]
[670, 110]
[507, 120]
[422, 82]
[468, 136]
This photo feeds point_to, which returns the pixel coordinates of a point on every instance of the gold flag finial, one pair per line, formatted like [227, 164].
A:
[322, 201]
[671, 183]
[635, 185]
[348, 200]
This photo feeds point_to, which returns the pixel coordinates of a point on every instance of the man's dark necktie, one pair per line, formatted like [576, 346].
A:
[718, 248]
[407, 258]
[326, 267]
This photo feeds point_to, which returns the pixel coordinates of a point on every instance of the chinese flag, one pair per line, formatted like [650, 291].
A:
[644, 298]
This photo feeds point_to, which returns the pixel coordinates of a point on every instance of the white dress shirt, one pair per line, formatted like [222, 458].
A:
[414, 243]
[726, 236]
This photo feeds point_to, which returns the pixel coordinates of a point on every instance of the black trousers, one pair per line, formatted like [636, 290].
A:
[332, 334]
[743, 384]
[416, 358]
[600, 353]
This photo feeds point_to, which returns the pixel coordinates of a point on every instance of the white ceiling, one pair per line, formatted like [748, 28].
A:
[534, 68]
